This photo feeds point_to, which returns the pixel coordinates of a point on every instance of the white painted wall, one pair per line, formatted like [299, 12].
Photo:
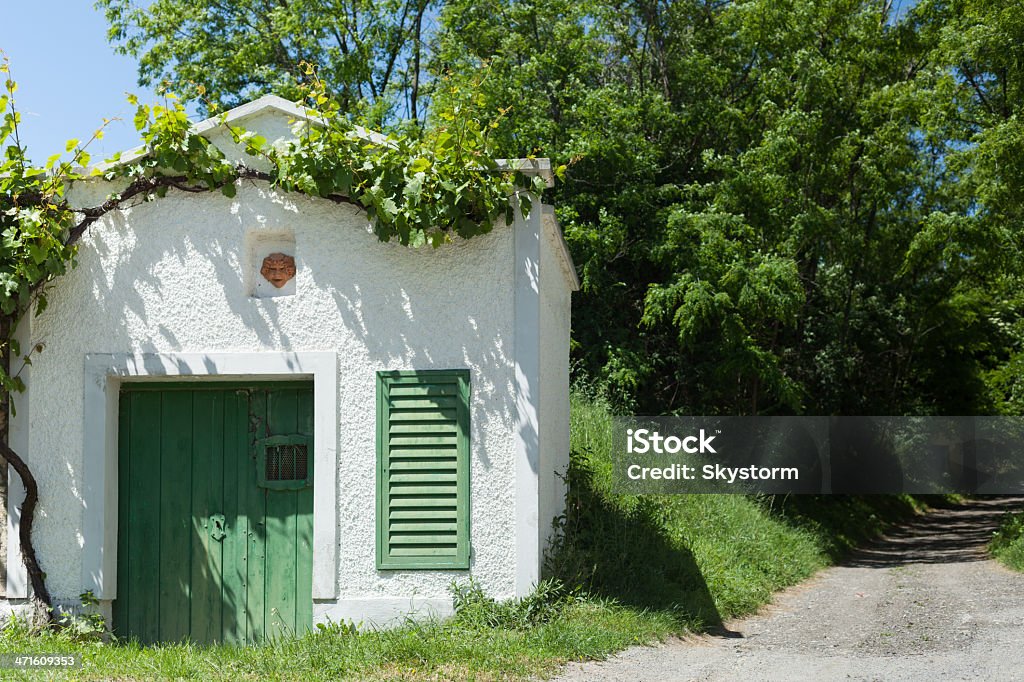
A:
[526, 428]
[168, 277]
[171, 277]
[558, 281]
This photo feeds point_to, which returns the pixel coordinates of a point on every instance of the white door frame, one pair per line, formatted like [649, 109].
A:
[104, 374]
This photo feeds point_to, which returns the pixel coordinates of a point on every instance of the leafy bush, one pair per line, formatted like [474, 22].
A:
[1008, 542]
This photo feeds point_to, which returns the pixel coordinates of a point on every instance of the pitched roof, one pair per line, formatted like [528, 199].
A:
[273, 103]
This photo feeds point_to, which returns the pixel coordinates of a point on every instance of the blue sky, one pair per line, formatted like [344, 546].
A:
[69, 78]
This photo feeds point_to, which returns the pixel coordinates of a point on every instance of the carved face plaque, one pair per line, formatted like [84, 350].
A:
[278, 268]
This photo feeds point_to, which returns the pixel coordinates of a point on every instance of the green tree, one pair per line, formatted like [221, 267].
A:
[369, 52]
[788, 206]
[764, 197]
[977, 129]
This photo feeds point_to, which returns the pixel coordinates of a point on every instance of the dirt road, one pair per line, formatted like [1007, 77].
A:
[925, 603]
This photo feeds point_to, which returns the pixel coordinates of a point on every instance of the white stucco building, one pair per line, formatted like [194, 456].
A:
[220, 458]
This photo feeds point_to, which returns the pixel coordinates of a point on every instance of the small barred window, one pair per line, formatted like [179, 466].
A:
[286, 463]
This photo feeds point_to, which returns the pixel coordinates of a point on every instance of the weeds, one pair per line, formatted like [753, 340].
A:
[1008, 542]
[475, 609]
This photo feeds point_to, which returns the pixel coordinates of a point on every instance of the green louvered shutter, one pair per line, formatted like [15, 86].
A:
[423, 469]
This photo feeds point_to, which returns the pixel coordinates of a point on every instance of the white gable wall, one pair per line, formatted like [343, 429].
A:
[168, 277]
[165, 288]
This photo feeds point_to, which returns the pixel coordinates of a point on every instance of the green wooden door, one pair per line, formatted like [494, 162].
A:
[215, 512]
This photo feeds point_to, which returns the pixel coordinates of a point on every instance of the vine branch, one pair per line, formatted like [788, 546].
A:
[28, 508]
[147, 186]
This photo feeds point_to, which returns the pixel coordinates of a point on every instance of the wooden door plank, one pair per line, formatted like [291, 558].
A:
[143, 575]
[236, 477]
[282, 419]
[255, 509]
[207, 604]
[281, 551]
[175, 500]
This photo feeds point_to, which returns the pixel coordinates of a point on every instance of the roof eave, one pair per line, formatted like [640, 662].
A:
[529, 167]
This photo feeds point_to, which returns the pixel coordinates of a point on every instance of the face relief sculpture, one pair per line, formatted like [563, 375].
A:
[278, 268]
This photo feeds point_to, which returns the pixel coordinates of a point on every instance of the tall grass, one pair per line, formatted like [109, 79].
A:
[704, 558]
[456, 649]
[627, 570]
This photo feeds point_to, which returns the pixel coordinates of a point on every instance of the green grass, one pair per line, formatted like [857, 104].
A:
[452, 650]
[1008, 544]
[703, 558]
[639, 569]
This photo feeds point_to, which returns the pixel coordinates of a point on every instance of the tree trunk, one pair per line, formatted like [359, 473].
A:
[416, 49]
[28, 507]
[28, 510]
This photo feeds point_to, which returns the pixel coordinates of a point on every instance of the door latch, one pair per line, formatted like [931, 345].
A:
[218, 526]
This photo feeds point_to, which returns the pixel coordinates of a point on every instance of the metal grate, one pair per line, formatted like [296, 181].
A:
[286, 463]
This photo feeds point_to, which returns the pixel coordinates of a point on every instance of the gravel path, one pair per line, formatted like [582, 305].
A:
[924, 603]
